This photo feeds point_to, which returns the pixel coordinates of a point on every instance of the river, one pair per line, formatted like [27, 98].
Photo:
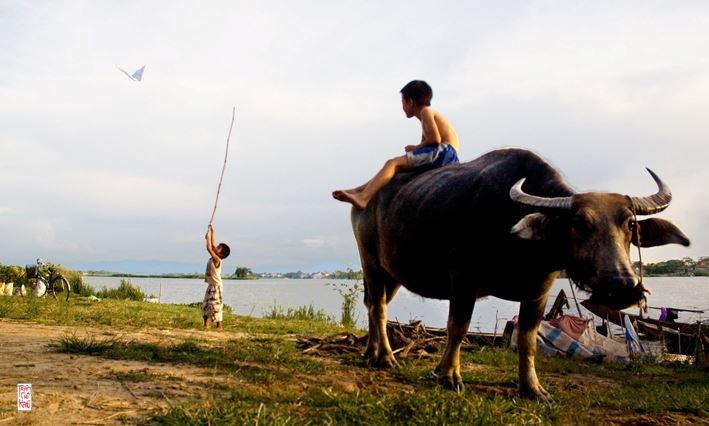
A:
[258, 297]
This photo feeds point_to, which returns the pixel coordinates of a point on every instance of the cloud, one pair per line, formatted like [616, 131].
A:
[313, 242]
[95, 167]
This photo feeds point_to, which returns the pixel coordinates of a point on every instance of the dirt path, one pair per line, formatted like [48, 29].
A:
[77, 389]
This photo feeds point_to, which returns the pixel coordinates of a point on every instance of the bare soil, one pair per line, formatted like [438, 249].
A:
[79, 389]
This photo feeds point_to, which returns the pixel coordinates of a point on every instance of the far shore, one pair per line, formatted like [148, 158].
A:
[232, 277]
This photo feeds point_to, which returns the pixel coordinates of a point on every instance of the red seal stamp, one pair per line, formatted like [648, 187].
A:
[24, 397]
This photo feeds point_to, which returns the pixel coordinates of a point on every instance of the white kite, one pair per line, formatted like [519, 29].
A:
[136, 76]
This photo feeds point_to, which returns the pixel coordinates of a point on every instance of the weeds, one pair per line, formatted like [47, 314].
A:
[348, 318]
[126, 291]
[88, 346]
[78, 286]
[300, 313]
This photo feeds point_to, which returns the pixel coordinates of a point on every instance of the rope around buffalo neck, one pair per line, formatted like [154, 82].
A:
[219, 188]
[637, 233]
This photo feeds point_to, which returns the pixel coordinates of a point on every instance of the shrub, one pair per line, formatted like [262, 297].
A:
[125, 291]
[349, 302]
[13, 274]
[301, 313]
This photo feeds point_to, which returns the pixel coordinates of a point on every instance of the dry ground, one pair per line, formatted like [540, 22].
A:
[84, 389]
[70, 389]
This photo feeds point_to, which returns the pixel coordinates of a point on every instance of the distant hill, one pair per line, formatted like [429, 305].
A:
[148, 267]
[139, 267]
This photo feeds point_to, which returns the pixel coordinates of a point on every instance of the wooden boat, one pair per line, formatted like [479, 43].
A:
[680, 338]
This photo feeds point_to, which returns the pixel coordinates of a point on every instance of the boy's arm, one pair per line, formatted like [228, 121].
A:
[211, 231]
[209, 238]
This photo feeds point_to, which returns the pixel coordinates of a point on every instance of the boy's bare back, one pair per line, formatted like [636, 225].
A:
[446, 130]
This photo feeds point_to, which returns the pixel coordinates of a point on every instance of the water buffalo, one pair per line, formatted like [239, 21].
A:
[503, 225]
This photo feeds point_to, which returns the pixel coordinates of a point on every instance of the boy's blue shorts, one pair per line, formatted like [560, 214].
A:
[431, 157]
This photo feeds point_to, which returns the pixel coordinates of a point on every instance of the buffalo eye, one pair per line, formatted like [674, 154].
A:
[632, 225]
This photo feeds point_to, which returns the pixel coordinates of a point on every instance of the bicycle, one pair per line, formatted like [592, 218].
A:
[46, 279]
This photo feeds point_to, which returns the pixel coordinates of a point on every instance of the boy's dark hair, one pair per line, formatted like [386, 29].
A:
[224, 250]
[419, 91]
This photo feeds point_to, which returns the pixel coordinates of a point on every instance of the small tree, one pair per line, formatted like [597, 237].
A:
[689, 265]
[243, 272]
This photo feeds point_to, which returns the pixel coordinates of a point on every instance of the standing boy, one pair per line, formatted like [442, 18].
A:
[439, 145]
[212, 303]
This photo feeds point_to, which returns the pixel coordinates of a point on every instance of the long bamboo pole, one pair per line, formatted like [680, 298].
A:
[226, 154]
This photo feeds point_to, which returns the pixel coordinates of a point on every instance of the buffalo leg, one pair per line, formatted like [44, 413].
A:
[448, 369]
[376, 298]
[530, 315]
[372, 339]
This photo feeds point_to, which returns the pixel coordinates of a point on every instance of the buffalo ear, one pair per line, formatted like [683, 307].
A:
[534, 226]
[658, 232]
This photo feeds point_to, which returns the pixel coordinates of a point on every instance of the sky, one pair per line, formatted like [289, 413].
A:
[101, 172]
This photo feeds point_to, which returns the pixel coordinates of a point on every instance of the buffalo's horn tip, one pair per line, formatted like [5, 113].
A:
[517, 187]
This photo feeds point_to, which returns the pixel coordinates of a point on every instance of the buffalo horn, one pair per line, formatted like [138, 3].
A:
[519, 196]
[654, 203]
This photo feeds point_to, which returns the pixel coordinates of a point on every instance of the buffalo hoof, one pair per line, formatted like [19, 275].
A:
[539, 394]
[386, 361]
[452, 383]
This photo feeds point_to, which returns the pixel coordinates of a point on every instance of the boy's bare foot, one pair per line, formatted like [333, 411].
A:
[339, 195]
[349, 197]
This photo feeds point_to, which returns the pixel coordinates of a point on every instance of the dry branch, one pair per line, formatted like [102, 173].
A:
[412, 340]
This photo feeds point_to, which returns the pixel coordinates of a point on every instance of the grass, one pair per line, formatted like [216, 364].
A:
[79, 287]
[87, 346]
[120, 314]
[135, 376]
[279, 357]
[428, 407]
[308, 313]
[271, 382]
[125, 291]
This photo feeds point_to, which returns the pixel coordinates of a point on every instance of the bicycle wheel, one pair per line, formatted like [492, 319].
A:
[60, 283]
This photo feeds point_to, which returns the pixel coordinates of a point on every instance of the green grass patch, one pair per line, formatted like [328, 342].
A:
[120, 314]
[86, 346]
[420, 402]
[79, 287]
[307, 313]
[125, 291]
[314, 407]
[231, 355]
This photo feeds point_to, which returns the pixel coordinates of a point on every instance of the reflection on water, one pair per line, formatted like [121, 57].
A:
[256, 297]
